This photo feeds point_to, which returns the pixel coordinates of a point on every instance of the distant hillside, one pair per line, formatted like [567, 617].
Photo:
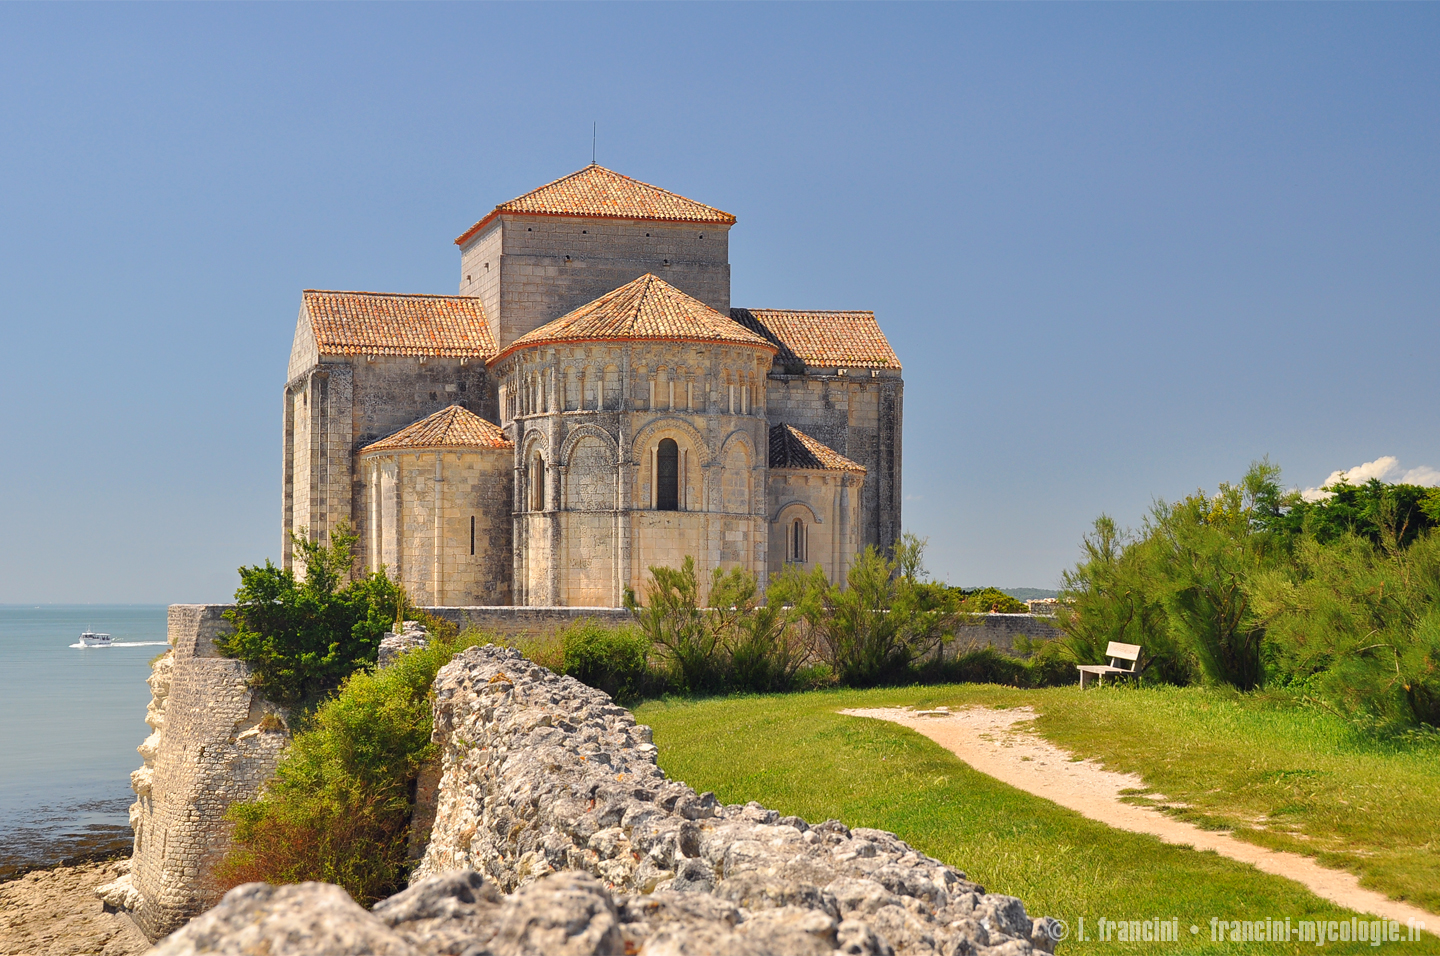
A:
[1029, 594]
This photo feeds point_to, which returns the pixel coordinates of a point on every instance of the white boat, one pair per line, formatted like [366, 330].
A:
[91, 639]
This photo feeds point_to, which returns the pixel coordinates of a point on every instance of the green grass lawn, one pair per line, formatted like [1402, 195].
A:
[1234, 758]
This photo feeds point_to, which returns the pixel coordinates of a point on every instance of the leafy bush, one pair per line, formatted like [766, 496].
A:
[339, 806]
[731, 640]
[615, 660]
[884, 619]
[1251, 586]
[1360, 625]
[302, 638]
[990, 601]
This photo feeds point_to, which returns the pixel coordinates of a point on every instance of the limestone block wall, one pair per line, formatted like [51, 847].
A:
[827, 505]
[860, 415]
[586, 460]
[545, 266]
[207, 751]
[336, 405]
[439, 521]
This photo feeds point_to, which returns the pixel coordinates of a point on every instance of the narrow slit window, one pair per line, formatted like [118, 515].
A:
[797, 547]
[472, 534]
[667, 476]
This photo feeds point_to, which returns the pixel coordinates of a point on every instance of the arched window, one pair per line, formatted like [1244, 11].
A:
[667, 476]
[537, 484]
[797, 541]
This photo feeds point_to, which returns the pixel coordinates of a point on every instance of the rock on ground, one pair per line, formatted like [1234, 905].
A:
[562, 914]
[55, 913]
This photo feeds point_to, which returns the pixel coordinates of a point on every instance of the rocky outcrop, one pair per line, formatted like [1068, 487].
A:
[541, 774]
[214, 741]
[563, 914]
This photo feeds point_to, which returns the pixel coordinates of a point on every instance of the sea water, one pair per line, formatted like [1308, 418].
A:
[70, 720]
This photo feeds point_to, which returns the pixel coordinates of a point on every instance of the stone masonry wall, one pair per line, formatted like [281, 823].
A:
[542, 267]
[207, 751]
[860, 416]
[541, 774]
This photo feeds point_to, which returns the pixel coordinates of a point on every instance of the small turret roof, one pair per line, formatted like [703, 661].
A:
[648, 308]
[599, 193]
[453, 427]
[792, 448]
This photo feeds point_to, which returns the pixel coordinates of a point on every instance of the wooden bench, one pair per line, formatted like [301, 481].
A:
[1115, 652]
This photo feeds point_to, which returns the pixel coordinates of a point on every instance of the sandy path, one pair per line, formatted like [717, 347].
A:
[983, 738]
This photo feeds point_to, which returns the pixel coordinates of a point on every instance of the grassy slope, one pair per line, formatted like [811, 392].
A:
[794, 753]
[1274, 773]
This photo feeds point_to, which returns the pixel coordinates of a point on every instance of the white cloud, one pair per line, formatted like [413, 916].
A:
[1424, 475]
[1381, 468]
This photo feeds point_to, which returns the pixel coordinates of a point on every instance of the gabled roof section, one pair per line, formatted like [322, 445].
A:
[792, 448]
[599, 193]
[822, 339]
[381, 323]
[649, 308]
[453, 427]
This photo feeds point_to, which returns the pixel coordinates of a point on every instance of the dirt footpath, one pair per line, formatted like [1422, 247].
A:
[983, 738]
[55, 913]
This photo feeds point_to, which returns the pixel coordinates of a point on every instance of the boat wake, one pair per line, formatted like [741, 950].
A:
[125, 644]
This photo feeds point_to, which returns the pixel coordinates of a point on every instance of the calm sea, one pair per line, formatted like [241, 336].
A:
[70, 720]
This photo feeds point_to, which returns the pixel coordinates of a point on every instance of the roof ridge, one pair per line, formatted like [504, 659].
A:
[404, 295]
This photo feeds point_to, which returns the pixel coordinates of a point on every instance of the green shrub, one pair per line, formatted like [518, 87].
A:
[612, 659]
[730, 641]
[339, 806]
[1359, 625]
[884, 619]
[990, 601]
[302, 638]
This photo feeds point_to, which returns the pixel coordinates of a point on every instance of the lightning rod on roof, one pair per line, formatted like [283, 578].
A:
[594, 132]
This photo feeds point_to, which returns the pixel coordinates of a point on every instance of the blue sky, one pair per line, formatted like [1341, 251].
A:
[1122, 250]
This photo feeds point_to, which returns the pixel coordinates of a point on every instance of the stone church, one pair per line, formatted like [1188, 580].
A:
[588, 406]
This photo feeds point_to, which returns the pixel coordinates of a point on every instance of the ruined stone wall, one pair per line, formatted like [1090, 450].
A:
[541, 774]
[208, 750]
[528, 621]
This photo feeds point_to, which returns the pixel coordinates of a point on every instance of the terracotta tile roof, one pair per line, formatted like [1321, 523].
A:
[599, 193]
[649, 308]
[452, 427]
[822, 339]
[380, 323]
[792, 448]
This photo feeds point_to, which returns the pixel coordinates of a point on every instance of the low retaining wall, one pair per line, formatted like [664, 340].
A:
[1000, 632]
[982, 630]
[526, 621]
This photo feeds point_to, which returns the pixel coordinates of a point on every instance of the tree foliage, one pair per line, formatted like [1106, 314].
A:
[303, 637]
[1253, 585]
[339, 806]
